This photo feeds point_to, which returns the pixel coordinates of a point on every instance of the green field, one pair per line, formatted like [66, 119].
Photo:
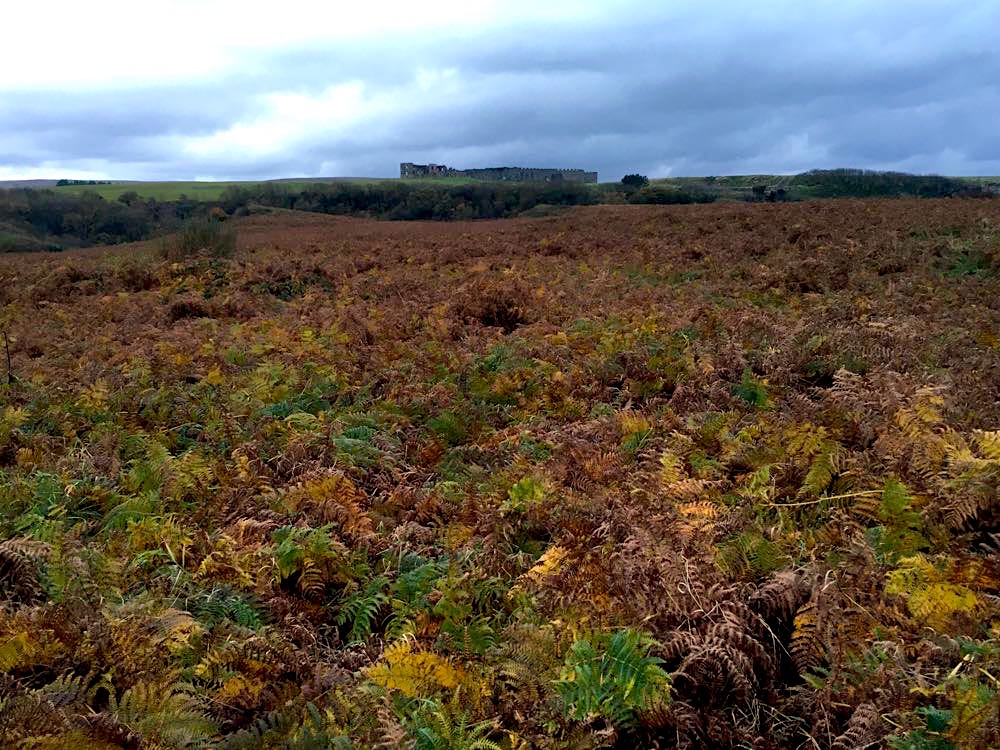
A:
[209, 191]
[985, 181]
[171, 191]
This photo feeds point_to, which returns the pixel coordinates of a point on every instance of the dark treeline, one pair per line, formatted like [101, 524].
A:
[62, 183]
[401, 200]
[53, 220]
[663, 195]
[408, 201]
[860, 183]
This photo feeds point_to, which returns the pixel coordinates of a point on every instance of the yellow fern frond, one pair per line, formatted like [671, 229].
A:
[699, 510]
[632, 423]
[95, 397]
[806, 648]
[937, 603]
[226, 562]
[690, 490]
[805, 439]
[825, 465]
[238, 686]
[176, 629]
[10, 419]
[16, 650]
[697, 518]
[27, 648]
[547, 564]
[671, 468]
[760, 486]
[989, 443]
[191, 473]
[971, 708]
[415, 673]
[930, 597]
[923, 414]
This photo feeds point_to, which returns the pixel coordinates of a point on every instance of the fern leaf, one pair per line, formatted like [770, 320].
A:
[806, 649]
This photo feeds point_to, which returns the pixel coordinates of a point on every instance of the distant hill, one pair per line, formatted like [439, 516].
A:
[36, 184]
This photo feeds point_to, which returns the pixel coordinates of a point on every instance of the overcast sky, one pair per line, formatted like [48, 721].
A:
[195, 89]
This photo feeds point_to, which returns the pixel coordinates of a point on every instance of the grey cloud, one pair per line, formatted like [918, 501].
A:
[770, 87]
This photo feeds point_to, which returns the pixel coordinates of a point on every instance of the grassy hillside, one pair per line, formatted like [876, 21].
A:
[167, 191]
[212, 191]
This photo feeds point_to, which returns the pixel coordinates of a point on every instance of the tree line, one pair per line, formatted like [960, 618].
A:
[863, 183]
[32, 219]
[54, 220]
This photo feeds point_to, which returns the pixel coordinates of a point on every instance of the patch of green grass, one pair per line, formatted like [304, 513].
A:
[161, 191]
[205, 190]
[194, 190]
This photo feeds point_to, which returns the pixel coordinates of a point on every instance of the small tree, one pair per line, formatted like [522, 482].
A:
[635, 180]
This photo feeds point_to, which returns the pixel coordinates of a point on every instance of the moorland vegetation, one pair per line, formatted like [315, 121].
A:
[633, 476]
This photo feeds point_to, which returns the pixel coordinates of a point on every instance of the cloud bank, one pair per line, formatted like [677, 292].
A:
[251, 90]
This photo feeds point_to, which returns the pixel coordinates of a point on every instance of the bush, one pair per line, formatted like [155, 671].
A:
[861, 183]
[200, 236]
[404, 201]
[635, 180]
[664, 195]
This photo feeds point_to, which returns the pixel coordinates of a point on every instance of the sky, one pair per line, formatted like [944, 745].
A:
[205, 89]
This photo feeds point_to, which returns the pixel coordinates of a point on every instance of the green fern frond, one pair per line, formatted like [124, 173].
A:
[224, 603]
[612, 677]
[822, 469]
[133, 509]
[750, 555]
[439, 727]
[362, 607]
[163, 714]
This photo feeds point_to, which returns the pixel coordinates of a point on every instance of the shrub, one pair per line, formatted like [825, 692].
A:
[635, 180]
[200, 236]
[664, 195]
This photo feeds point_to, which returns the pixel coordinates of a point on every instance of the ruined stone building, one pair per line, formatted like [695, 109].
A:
[498, 174]
[408, 169]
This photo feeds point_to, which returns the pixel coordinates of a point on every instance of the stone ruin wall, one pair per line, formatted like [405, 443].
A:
[498, 174]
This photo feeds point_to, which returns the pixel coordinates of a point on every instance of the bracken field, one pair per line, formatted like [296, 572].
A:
[629, 476]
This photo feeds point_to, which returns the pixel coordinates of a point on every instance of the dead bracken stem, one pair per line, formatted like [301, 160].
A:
[818, 500]
[10, 371]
